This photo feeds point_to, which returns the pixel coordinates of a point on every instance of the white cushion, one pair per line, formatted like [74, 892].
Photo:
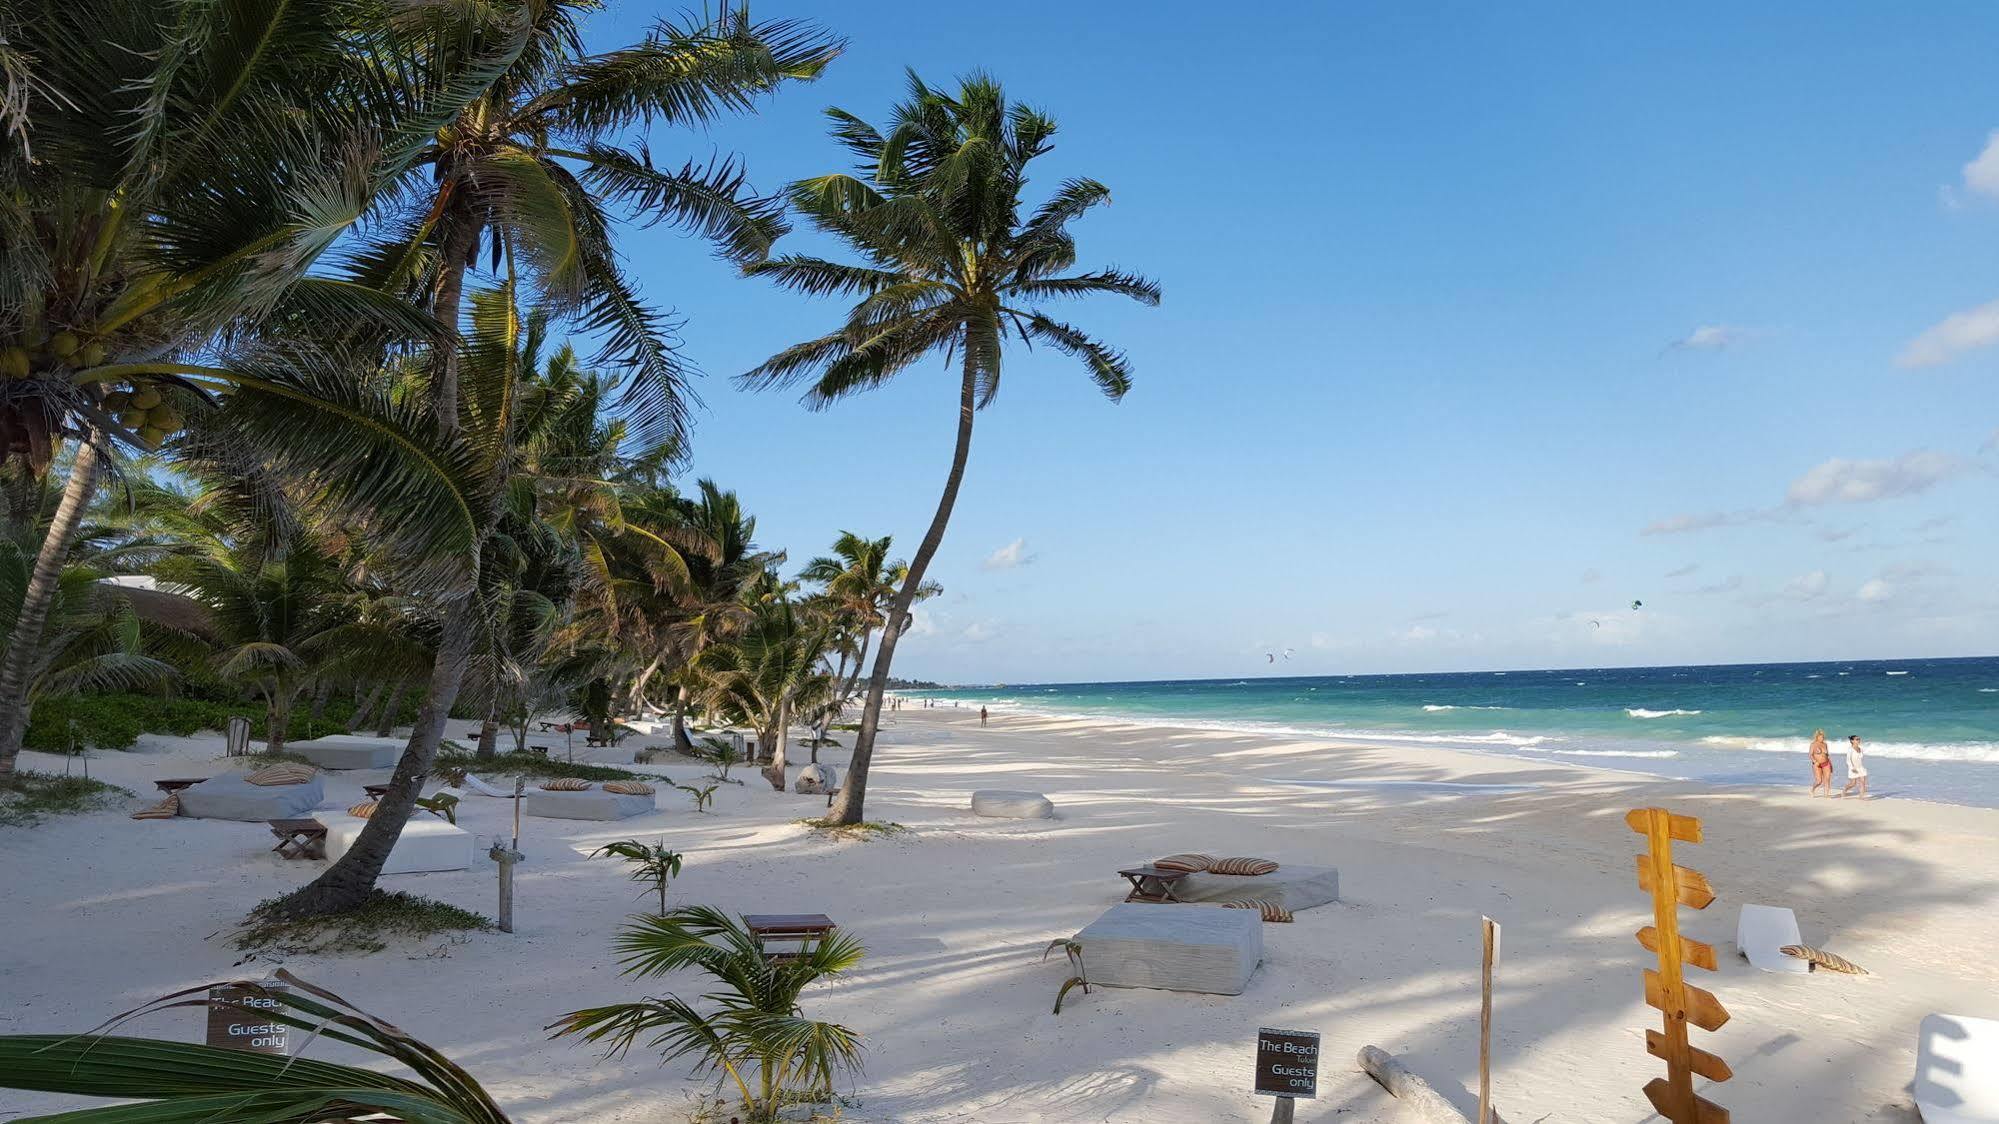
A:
[228, 796]
[425, 844]
[1764, 929]
[1176, 947]
[1957, 1070]
[1010, 805]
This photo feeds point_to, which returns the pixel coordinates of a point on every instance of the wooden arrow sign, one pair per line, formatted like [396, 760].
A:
[1689, 886]
[1666, 989]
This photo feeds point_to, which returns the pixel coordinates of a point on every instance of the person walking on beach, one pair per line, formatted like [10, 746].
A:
[982, 716]
[1821, 763]
[1856, 766]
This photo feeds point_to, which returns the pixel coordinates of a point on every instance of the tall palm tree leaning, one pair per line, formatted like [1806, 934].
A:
[948, 268]
[525, 174]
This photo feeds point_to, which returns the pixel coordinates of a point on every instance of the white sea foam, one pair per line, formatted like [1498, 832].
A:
[1655, 753]
[1641, 712]
[1977, 753]
[1894, 673]
[1988, 690]
[1434, 707]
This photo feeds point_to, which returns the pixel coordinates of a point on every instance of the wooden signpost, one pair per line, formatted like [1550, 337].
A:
[237, 1020]
[1287, 1067]
[1671, 887]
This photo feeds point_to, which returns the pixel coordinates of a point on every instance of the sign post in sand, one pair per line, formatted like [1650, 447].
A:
[1666, 989]
[1287, 1067]
[1490, 930]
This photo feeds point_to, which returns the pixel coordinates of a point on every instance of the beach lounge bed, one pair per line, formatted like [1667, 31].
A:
[588, 804]
[1761, 931]
[231, 797]
[1173, 947]
[1293, 887]
[425, 844]
[1957, 1070]
[350, 751]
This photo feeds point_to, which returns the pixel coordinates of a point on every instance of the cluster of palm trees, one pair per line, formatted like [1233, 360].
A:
[281, 286]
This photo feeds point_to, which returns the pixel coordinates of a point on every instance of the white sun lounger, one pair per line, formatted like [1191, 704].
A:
[474, 784]
[1957, 1070]
[1764, 929]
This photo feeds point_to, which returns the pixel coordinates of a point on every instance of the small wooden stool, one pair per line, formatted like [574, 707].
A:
[300, 839]
[1152, 884]
[375, 790]
[801, 927]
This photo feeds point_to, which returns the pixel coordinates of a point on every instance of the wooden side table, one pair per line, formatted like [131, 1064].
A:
[801, 927]
[1152, 884]
[299, 839]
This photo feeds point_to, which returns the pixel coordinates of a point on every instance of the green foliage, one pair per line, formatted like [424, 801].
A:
[720, 754]
[703, 795]
[27, 797]
[369, 927]
[1081, 978]
[71, 724]
[651, 863]
[183, 1081]
[455, 759]
[756, 1037]
[116, 721]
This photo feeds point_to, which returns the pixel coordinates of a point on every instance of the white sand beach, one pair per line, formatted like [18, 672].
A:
[104, 913]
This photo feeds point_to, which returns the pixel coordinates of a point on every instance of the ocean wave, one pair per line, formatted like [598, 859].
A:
[1616, 752]
[1434, 707]
[1976, 753]
[1641, 712]
[1988, 690]
[1894, 673]
[1438, 740]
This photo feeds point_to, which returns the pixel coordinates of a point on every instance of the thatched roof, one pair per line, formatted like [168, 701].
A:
[158, 606]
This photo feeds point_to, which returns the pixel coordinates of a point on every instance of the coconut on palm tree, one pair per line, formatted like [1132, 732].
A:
[950, 268]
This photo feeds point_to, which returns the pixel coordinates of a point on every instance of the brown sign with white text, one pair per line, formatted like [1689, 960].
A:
[1287, 1063]
[239, 1019]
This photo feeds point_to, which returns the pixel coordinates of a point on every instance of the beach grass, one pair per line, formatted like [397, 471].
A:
[28, 797]
[866, 829]
[370, 927]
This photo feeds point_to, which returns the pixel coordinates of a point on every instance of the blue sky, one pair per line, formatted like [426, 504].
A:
[1480, 323]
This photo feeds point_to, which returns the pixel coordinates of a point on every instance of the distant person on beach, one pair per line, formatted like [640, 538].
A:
[1856, 766]
[1821, 763]
[982, 716]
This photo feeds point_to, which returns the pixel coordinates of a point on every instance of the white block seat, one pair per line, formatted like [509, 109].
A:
[1957, 1070]
[1008, 804]
[1173, 947]
[350, 751]
[230, 797]
[426, 844]
[1293, 887]
[588, 804]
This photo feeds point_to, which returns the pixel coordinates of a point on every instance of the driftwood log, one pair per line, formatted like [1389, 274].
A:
[1411, 1090]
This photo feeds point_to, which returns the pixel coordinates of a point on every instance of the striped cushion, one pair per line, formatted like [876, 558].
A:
[565, 784]
[628, 788]
[286, 772]
[1191, 862]
[363, 810]
[165, 810]
[1831, 962]
[1242, 866]
[1271, 910]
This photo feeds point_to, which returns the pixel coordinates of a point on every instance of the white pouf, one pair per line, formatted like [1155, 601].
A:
[350, 751]
[1006, 804]
[1174, 947]
[817, 780]
[425, 844]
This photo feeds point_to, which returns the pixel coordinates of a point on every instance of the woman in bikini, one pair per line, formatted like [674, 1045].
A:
[1821, 763]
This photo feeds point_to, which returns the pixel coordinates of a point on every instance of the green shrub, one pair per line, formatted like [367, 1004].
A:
[68, 724]
[26, 797]
[115, 721]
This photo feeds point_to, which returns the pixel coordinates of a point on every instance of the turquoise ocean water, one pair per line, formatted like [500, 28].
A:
[1931, 727]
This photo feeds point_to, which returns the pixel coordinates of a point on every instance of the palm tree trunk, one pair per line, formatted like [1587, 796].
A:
[854, 790]
[681, 741]
[348, 882]
[461, 236]
[385, 722]
[320, 696]
[277, 719]
[26, 642]
[360, 716]
[775, 773]
[489, 732]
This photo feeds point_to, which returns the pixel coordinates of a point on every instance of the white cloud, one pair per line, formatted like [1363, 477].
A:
[921, 624]
[1981, 175]
[1011, 556]
[1875, 590]
[1699, 521]
[1709, 337]
[1682, 571]
[1418, 633]
[1956, 334]
[1863, 481]
[978, 632]
[1807, 586]
[1727, 585]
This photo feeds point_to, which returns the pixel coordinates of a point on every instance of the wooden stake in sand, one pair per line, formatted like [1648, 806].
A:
[1672, 886]
[1490, 930]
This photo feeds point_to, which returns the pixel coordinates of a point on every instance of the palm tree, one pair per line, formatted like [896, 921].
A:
[949, 269]
[757, 1037]
[858, 583]
[764, 675]
[528, 173]
[714, 606]
[169, 176]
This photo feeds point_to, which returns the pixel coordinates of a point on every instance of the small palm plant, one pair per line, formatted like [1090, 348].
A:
[720, 754]
[703, 796]
[651, 863]
[1074, 949]
[757, 1037]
